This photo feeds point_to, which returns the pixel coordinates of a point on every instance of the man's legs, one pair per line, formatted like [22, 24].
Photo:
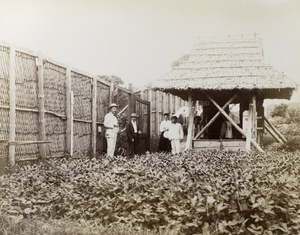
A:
[177, 146]
[173, 147]
[111, 144]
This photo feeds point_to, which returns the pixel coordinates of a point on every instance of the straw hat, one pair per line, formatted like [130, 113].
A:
[113, 105]
[133, 115]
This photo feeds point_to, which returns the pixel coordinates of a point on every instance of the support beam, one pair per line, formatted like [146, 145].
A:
[216, 116]
[191, 107]
[12, 105]
[41, 98]
[234, 124]
[273, 134]
[275, 130]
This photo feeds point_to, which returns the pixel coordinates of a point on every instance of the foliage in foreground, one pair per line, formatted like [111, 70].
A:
[196, 192]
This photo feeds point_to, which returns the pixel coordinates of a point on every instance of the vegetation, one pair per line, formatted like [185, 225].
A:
[209, 192]
[280, 111]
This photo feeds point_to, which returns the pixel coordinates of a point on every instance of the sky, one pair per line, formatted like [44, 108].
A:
[138, 40]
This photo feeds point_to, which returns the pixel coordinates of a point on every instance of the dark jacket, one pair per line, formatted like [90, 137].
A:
[130, 132]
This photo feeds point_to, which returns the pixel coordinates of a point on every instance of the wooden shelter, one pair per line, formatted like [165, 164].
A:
[221, 71]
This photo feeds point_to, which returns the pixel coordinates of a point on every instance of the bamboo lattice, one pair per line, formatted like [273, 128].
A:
[102, 101]
[4, 98]
[55, 101]
[82, 91]
[26, 97]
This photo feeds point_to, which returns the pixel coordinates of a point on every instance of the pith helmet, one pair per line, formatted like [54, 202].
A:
[113, 105]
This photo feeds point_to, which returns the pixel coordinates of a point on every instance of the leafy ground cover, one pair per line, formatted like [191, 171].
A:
[208, 192]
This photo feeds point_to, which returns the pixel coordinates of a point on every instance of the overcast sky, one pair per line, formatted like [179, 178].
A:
[138, 40]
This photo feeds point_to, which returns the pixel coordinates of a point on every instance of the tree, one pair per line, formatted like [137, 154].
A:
[118, 80]
[294, 116]
[280, 111]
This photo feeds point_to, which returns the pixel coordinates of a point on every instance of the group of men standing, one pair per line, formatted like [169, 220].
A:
[171, 133]
[112, 128]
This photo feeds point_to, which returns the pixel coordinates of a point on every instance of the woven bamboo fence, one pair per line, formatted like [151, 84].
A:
[47, 109]
[161, 102]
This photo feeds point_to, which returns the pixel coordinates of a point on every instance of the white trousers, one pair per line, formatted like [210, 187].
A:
[175, 145]
[111, 145]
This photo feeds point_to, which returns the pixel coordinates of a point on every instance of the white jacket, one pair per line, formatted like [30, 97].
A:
[175, 131]
[111, 123]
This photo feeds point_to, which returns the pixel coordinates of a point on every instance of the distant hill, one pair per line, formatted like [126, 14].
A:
[269, 108]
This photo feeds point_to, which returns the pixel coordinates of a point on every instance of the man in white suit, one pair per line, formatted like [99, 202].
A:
[175, 135]
[112, 128]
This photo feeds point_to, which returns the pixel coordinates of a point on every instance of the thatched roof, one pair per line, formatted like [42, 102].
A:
[225, 64]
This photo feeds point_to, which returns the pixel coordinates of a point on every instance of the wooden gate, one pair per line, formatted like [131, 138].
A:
[142, 109]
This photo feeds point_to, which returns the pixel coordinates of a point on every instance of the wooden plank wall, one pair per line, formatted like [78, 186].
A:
[160, 102]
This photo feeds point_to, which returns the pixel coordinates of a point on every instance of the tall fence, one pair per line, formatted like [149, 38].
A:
[47, 108]
[161, 102]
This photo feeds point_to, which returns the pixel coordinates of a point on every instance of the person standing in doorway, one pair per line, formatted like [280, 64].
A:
[164, 142]
[175, 135]
[132, 133]
[112, 129]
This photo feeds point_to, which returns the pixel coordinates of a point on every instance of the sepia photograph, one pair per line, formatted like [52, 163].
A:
[137, 117]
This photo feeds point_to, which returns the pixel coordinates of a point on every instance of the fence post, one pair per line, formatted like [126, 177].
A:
[12, 105]
[69, 113]
[151, 116]
[171, 104]
[157, 111]
[189, 138]
[111, 91]
[41, 98]
[94, 117]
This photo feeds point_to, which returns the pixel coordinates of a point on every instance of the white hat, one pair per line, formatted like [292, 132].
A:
[133, 115]
[113, 105]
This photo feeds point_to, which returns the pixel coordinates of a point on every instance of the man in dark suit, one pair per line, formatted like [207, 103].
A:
[132, 133]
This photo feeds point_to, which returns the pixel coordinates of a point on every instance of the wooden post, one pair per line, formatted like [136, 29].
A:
[157, 111]
[151, 115]
[249, 129]
[171, 104]
[69, 113]
[94, 117]
[12, 105]
[189, 139]
[111, 91]
[254, 118]
[164, 102]
[41, 97]
[260, 120]
[177, 106]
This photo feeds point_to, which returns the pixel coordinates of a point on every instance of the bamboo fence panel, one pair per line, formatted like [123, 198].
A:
[102, 101]
[27, 98]
[4, 100]
[81, 86]
[55, 102]
[87, 109]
